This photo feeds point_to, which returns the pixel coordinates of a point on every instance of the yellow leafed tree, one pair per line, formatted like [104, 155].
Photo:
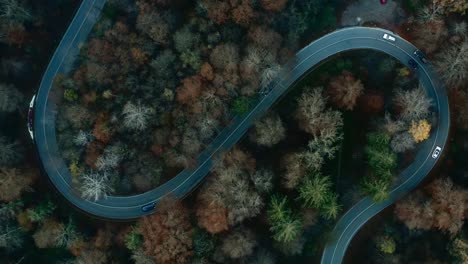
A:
[459, 6]
[420, 130]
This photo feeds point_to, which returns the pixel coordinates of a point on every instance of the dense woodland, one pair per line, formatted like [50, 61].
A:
[155, 83]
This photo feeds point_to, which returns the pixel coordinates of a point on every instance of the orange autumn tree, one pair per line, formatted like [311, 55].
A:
[211, 214]
[167, 235]
[190, 90]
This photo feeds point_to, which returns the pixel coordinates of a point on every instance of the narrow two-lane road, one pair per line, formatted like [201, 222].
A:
[130, 207]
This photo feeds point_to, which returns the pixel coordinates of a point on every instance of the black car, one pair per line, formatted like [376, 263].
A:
[413, 64]
[421, 56]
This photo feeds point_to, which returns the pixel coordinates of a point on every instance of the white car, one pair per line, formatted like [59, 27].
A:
[436, 152]
[31, 117]
[389, 37]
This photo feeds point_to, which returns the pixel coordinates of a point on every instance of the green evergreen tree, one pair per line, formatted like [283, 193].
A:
[314, 190]
[41, 212]
[286, 226]
[134, 240]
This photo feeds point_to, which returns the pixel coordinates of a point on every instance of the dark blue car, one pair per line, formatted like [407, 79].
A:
[148, 207]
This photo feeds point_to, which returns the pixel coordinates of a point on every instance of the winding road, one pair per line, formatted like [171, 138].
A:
[130, 207]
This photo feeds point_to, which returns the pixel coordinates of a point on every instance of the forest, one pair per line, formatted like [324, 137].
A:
[157, 80]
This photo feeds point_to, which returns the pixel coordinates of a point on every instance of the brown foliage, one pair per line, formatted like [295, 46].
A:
[92, 256]
[167, 235]
[13, 182]
[294, 170]
[100, 50]
[344, 90]
[77, 247]
[207, 71]
[273, 5]
[16, 35]
[218, 11]
[93, 152]
[104, 238]
[24, 221]
[46, 236]
[240, 159]
[211, 215]
[266, 38]
[372, 102]
[441, 206]
[102, 131]
[243, 14]
[223, 56]
[89, 98]
[139, 56]
[429, 35]
[190, 90]
[240, 11]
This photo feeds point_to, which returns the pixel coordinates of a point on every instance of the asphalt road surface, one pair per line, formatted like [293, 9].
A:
[130, 207]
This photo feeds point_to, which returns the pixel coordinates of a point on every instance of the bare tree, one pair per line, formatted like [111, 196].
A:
[402, 142]
[414, 103]
[191, 144]
[68, 236]
[239, 243]
[207, 126]
[345, 90]
[268, 131]
[48, 234]
[136, 116]
[110, 158]
[232, 190]
[452, 65]
[268, 76]
[391, 126]
[83, 138]
[313, 115]
[263, 180]
[430, 13]
[95, 186]
[224, 55]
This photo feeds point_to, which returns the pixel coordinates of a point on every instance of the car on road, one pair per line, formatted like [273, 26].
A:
[436, 152]
[413, 64]
[148, 207]
[31, 117]
[420, 56]
[389, 37]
